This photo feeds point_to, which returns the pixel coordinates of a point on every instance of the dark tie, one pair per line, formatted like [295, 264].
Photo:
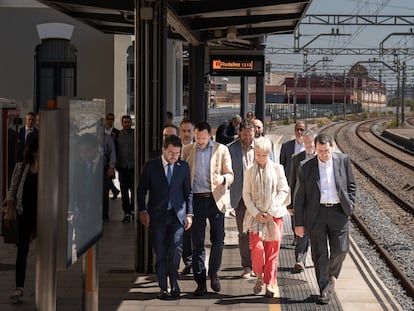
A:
[169, 173]
[169, 177]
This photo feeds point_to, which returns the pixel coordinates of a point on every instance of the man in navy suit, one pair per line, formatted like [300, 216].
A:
[324, 200]
[26, 134]
[168, 212]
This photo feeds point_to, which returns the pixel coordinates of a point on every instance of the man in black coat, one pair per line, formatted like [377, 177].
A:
[324, 200]
[27, 133]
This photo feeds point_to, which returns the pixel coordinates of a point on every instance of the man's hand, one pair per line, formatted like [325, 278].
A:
[144, 218]
[217, 179]
[188, 222]
[300, 231]
[110, 172]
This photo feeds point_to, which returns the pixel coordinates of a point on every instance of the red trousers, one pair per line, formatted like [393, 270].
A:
[265, 254]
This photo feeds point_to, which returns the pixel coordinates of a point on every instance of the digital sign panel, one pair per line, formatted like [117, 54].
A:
[237, 65]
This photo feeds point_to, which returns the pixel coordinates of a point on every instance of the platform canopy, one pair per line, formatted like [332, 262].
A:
[215, 22]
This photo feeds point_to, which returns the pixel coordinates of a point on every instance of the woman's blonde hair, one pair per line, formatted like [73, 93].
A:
[263, 144]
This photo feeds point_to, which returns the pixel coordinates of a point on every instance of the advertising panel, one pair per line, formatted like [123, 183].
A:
[82, 183]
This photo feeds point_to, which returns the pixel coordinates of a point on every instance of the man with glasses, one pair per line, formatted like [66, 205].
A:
[289, 149]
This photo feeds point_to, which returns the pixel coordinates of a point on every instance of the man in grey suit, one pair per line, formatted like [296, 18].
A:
[302, 243]
[242, 156]
[324, 199]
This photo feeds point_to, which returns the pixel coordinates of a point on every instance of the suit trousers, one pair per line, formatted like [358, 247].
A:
[187, 248]
[331, 226]
[246, 260]
[265, 255]
[205, 208]
[167, 241]
[126, 182]
[27, 229]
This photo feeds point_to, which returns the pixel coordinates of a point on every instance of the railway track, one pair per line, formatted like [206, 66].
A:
[365, 150]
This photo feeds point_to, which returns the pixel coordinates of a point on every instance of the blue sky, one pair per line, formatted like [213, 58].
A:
[368, 37]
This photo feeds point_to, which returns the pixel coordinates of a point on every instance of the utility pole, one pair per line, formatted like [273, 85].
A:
[403, 94]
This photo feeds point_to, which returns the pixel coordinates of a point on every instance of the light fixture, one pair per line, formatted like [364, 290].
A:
[231, 34]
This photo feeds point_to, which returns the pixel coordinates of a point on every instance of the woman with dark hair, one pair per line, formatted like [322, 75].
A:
[23, 193]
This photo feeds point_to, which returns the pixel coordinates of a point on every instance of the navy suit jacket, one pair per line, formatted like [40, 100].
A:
[23, 141]
[236, 188]
[154, 182]
[307, 192]
[286, 152]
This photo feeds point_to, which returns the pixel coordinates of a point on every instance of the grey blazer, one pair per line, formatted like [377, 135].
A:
[236, 187]
[307, 192]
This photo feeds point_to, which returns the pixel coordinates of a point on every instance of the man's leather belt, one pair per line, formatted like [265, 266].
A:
[203, 194]
[328, 205]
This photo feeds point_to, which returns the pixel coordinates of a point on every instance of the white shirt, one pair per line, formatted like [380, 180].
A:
[328, 186]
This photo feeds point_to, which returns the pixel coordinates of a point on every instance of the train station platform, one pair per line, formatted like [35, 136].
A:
[401, 137]
[122, 289]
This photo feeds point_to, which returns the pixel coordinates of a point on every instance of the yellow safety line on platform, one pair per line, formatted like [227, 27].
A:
[276, 306]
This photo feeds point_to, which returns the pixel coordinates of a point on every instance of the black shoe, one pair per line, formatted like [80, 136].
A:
[201, 289]
[186, 270]
[175, 290]
[115, 196]
[127, 218]
[215, 282]
[132, 214]
[163, 295]
[323, 299]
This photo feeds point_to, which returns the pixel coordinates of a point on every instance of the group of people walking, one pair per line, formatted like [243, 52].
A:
[196, 179]
[188, 185]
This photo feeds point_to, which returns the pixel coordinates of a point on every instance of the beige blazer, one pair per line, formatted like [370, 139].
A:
[220, 163]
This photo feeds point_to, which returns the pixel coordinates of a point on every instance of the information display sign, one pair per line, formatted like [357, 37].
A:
[237, 65]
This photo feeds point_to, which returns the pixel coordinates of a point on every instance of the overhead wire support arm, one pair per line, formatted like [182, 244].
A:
[358, 20]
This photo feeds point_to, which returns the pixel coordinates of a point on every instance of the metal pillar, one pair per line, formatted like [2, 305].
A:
[260, 98]
[150, 101]
[197, 84]
[90, 280]
[244, 96]
[47, 212]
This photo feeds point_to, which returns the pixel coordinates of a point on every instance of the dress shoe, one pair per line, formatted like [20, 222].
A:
[186, 270]
[246, 273]
[215, 282]
[323, 299]
[115, 196]
[258, 286]
[329, 287]
[163, 295]
[127, 218]
[299, 267]
[16, 295]
[175, 291]
[201, 289]
[269, 291]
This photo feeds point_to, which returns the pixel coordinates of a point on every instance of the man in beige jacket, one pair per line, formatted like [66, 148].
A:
[211, 176]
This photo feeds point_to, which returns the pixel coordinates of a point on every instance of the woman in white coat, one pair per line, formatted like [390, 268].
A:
[266, 194]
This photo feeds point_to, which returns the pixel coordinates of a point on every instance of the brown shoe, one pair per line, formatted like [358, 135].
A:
[215, 282]
[258, 286]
